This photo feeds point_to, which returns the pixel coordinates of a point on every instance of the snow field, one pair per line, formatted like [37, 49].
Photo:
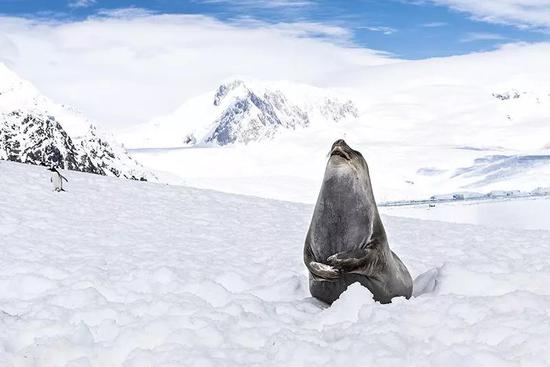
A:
[426, 127]
[521, 212]
[121, 273]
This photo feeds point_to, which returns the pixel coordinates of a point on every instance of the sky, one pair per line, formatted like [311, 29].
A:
[123, 62]
[409, 29]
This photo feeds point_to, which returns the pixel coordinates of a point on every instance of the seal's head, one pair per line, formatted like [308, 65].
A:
[344, 160]
[342, 149]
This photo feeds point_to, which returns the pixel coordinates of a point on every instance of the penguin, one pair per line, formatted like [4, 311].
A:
[57, 179]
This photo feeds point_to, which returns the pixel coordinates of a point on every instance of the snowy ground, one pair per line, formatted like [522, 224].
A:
[523, 213]
[115, 273]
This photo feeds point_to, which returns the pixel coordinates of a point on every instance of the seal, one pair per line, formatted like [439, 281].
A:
[346, 241]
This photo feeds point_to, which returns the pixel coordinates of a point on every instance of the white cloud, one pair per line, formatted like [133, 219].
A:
[128, 66]
[520, 13]
[332, 33]
[268, 4]
[81, 3]
[482, 36]
[382, 29]
[122, 13]
[433, 24]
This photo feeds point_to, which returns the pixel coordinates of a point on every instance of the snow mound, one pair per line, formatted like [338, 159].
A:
[348, 307]
[425, 282]
[126, 273]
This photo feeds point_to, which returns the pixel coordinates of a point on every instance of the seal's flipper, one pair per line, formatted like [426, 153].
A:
[317, 270]
[353, 261]
[323, 272]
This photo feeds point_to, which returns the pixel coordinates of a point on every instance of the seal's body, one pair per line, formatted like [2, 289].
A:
[346, 241]
[56, 179]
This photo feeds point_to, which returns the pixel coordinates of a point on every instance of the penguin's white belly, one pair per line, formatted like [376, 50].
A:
[56, 181]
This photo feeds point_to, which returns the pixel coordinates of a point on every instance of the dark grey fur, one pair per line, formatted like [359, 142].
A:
[346, 241]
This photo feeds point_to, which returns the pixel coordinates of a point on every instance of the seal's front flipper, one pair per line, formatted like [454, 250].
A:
[319, 271]
[353, 261]
[324, 272]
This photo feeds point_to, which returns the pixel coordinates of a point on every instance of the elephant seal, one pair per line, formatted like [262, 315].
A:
[346, 241]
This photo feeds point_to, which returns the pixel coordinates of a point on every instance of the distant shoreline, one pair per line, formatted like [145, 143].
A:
[482, 198]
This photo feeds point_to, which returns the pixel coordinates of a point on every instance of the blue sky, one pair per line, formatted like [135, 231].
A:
[406, 29]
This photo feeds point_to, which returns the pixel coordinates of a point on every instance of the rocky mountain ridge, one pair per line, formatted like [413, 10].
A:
[35, 130]
[243, 112]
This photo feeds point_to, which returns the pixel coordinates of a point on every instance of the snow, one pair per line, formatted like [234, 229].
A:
[34, 129]
[241, 111]
[125, 273]
[426, 127]
[19, 94]
[525, 212]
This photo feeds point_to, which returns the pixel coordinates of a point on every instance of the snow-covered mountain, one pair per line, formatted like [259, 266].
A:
[244, 111]
[35, 130]
[429, 127]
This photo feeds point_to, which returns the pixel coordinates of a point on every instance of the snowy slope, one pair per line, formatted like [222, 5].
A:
[478, 123]
[172, 276]
[35, 130]
[241, 112]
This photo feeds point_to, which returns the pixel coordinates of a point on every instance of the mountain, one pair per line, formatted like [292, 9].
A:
[39, 139]
[427, 127]
[35, 130]
[242, 112]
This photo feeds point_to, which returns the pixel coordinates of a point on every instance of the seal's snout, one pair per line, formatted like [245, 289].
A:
[340, 142]
[340, 148]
